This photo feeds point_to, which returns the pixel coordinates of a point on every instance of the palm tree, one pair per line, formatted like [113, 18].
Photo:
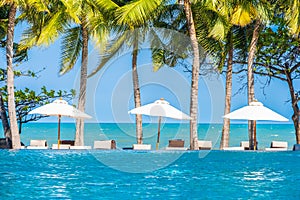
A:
[15, 137]
[258, 12]
[225, 30]
[77, 21]
[131, 20]
[23, 5]
[195, 75]
[18, 56]
[76, 39]
[173, 18]
[241, 14]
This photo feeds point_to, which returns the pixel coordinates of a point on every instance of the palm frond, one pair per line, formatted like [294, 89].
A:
[98, 28]
[241, 16]
[107, 7]
[219, 30]
[168, 47]
[71, 47]
[137, 12]
[73, 9]
[292, 16]
[112, 50]
[38, 5]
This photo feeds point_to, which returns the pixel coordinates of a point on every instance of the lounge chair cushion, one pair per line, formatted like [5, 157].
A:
[176, 148]
[35, 147]
[279, 144]
[61, 146]
[70, 142]
[245, 144]
[80, 147]
[276, 149]
[204, 144]
[234, 148]
[38, 143]
[176, 143]
[141, 146]
[105, 144]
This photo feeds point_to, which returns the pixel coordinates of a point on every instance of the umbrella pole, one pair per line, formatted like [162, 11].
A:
[158, 133]
[58, 134]
[254, 135]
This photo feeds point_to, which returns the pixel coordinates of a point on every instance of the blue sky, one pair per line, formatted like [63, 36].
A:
[110, 93]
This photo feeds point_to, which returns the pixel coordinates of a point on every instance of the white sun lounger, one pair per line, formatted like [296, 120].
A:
[176, 145]
[141, 146]
[80, 147]
[176, 148]
[234, 148]
[278, 146]
[38, 144]
[204, 145]
[61, 146]
[245, 145]
[105, 144]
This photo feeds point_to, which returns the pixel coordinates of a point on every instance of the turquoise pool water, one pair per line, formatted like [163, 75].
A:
[71, 174]
[50, 174]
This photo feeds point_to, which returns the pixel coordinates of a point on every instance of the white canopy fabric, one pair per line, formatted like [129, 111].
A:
[60, 107]
[160, 108]
[255, 111]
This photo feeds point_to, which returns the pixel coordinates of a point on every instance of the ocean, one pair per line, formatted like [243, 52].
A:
[120, 174]
[124, 133]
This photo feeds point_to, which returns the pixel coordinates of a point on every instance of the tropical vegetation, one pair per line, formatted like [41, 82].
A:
[239, 34]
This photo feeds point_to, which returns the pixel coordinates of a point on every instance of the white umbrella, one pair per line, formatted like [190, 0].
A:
[255, 111]
[160, 108]
[60, 108]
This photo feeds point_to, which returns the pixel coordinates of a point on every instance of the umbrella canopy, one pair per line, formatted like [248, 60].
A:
[60, 108]
[160, 108]
[255, 111]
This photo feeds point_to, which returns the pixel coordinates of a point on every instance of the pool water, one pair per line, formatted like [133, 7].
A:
[95, 174]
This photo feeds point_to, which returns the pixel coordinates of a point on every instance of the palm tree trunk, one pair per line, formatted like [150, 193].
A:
[295, 106]
[16, 143]
[79, 136]
[226, 122]
[5, 124]
[136, 90]
[251, 55]
[195, 76]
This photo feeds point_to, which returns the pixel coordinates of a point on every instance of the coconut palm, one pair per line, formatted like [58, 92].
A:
[131, 20]
[16, 143]
[196, 36]
[17, 57]
[77, 21]
[257, 12]
[242, 13]
[231, 35]
[76, 38]
[13, 4]
[164, 53]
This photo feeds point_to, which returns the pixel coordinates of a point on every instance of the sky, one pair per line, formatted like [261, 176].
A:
[110, 92]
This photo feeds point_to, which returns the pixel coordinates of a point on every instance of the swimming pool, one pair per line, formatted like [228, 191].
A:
[71, 174]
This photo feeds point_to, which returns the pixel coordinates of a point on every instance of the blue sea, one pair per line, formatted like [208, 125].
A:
[125, 174]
